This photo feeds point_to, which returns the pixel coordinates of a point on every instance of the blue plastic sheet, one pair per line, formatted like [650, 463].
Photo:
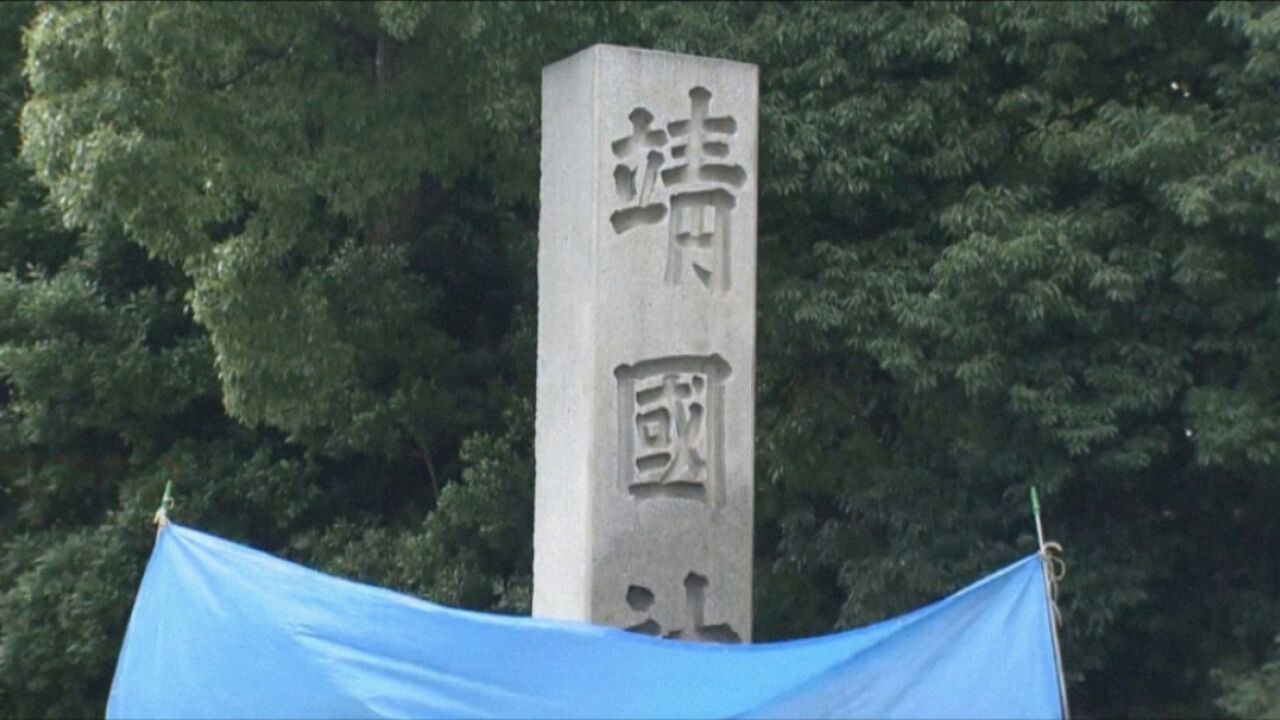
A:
[223, 631]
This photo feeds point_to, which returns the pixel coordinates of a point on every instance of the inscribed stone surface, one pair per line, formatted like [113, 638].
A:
[646, 343]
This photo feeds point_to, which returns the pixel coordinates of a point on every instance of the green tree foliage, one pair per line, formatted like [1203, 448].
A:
[283, 255]
[1256, 694]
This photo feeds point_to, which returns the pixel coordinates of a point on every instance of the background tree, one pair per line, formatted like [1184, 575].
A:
[286, 258]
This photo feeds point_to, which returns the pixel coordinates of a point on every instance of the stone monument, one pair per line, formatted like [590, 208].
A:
[646, 343]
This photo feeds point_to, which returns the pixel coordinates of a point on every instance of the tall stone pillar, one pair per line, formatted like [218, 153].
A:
[646, 343]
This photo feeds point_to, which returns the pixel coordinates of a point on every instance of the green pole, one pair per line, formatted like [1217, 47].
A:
[166, 503]
[1035, 512]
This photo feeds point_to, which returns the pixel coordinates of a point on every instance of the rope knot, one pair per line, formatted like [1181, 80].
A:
[1055, 569]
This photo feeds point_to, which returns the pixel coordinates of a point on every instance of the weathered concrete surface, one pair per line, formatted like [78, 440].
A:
[646, 343]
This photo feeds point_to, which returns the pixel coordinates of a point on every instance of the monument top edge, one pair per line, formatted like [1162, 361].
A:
[628, 50]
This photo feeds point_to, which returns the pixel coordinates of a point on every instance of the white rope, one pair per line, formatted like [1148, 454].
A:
[1055, 569]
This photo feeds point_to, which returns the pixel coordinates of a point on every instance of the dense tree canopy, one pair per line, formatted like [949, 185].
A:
[283, 255]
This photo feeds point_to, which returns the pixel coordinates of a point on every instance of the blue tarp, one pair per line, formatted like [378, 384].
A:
[223, 631]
